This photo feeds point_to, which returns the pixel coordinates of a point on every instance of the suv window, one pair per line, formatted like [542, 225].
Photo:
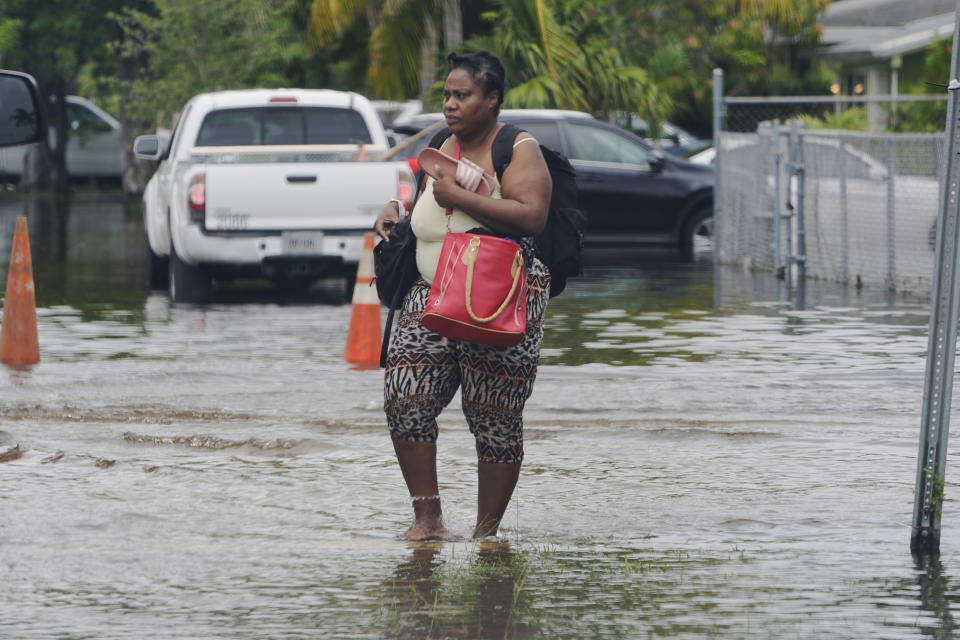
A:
[281, 126]
[82, 120]
[602, 145]
[546, 133]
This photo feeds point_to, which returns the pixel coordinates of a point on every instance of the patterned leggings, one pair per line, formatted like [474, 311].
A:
[425, 369]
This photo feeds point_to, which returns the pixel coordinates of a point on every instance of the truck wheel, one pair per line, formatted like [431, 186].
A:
[187, 283]
[697, 234]
[349, 283]
[158, 270]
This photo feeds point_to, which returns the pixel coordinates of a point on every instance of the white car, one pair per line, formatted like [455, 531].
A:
[280, 184]
[94, 147]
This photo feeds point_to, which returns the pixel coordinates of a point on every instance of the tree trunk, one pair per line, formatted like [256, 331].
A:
[452, 25]
[35, 173]
[372, 14]
[428, 58]
[135, 173]
[58, 155]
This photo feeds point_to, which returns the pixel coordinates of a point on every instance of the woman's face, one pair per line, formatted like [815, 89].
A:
[465, 107]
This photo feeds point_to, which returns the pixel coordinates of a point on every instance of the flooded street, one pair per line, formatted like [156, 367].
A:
[704, 458]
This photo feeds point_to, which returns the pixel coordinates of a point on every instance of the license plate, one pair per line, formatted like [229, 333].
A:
[300, 243]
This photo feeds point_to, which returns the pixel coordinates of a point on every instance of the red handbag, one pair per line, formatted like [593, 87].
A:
[479, 292]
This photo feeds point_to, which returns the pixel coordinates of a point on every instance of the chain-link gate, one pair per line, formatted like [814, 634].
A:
[858, 207]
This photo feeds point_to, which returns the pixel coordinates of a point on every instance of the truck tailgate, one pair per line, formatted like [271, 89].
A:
[297, 195]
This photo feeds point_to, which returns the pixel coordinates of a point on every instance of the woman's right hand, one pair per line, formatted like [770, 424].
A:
[385, 221]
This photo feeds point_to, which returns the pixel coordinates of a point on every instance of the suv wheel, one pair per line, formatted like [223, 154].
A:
[187, 283]
[696, 238]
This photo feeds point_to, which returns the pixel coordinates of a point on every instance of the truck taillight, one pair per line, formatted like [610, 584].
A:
[197, 198]
[405, 189]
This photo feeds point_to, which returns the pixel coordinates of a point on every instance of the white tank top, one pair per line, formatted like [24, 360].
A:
[429, 223]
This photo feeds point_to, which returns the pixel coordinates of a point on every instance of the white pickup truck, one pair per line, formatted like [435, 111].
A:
[278, 184]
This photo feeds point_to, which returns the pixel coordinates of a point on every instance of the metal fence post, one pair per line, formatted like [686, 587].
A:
[942, 339]
[844, 220]
[800, 169]
[891, 220]
[761, 162]
[777, 210]
[795, 163]
[718, 120]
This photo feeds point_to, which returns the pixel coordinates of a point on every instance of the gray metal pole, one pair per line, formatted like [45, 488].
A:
[800, 168]
[718, 123]
[777, 210]
[795, 162]
[942, 339]
[844, 218]
[891, 217]
[761, 163]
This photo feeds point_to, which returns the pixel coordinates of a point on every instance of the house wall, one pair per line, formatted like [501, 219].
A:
[878, 83]
[878, 77]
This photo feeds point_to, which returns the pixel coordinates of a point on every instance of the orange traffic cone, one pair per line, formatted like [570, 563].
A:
[363, 340]
[18, 335]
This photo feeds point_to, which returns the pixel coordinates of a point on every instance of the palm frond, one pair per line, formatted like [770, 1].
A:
[538, 92]
[395, 47]
[329, 19]
[531, 42]
[540, 9]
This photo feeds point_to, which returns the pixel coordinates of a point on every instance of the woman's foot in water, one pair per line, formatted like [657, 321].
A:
[427, 529]
[427, 520]
[486, 529]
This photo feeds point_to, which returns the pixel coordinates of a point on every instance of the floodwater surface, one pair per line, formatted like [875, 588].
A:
[706, 456]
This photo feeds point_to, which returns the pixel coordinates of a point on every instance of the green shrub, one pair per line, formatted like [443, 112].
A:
[854, 119]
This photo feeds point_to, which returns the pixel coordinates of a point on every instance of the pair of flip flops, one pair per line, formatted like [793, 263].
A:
[467, 174]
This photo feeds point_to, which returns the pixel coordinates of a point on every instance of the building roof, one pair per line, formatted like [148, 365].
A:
[880, 29]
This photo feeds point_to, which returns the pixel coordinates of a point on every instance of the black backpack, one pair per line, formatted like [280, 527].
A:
[560, 244]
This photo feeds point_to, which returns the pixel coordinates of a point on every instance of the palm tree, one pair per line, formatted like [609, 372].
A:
[795, 19]
[405, 38]
[561, 58]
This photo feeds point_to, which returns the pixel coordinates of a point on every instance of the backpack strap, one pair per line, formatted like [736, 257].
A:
[440, 137]
[502, 148]
[394, 305]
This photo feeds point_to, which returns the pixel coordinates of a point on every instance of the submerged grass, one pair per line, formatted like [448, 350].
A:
[518, 591]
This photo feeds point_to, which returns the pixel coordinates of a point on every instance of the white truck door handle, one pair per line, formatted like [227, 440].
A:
[305, 179]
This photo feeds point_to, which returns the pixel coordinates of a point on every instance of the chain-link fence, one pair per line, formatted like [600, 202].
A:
[873, 114]
[852, 206]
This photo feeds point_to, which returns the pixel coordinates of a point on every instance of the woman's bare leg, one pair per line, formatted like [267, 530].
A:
[495, 484]
[418, 463]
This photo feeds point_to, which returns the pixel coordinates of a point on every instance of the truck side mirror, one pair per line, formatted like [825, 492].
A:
[21, 117]
[147, 147]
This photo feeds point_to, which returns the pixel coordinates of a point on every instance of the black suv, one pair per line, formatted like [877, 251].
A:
[632, 192]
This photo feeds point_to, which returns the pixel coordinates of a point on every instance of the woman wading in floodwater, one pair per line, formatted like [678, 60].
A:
[424, 370]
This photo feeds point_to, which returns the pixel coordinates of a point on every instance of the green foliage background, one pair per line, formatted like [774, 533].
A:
[143, 59]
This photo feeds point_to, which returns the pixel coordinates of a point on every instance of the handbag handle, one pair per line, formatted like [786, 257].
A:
[471, 259]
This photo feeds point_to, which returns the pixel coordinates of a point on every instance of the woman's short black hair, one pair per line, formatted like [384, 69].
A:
[484, 68]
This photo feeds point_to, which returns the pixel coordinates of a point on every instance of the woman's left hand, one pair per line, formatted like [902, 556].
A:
[446, 190]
